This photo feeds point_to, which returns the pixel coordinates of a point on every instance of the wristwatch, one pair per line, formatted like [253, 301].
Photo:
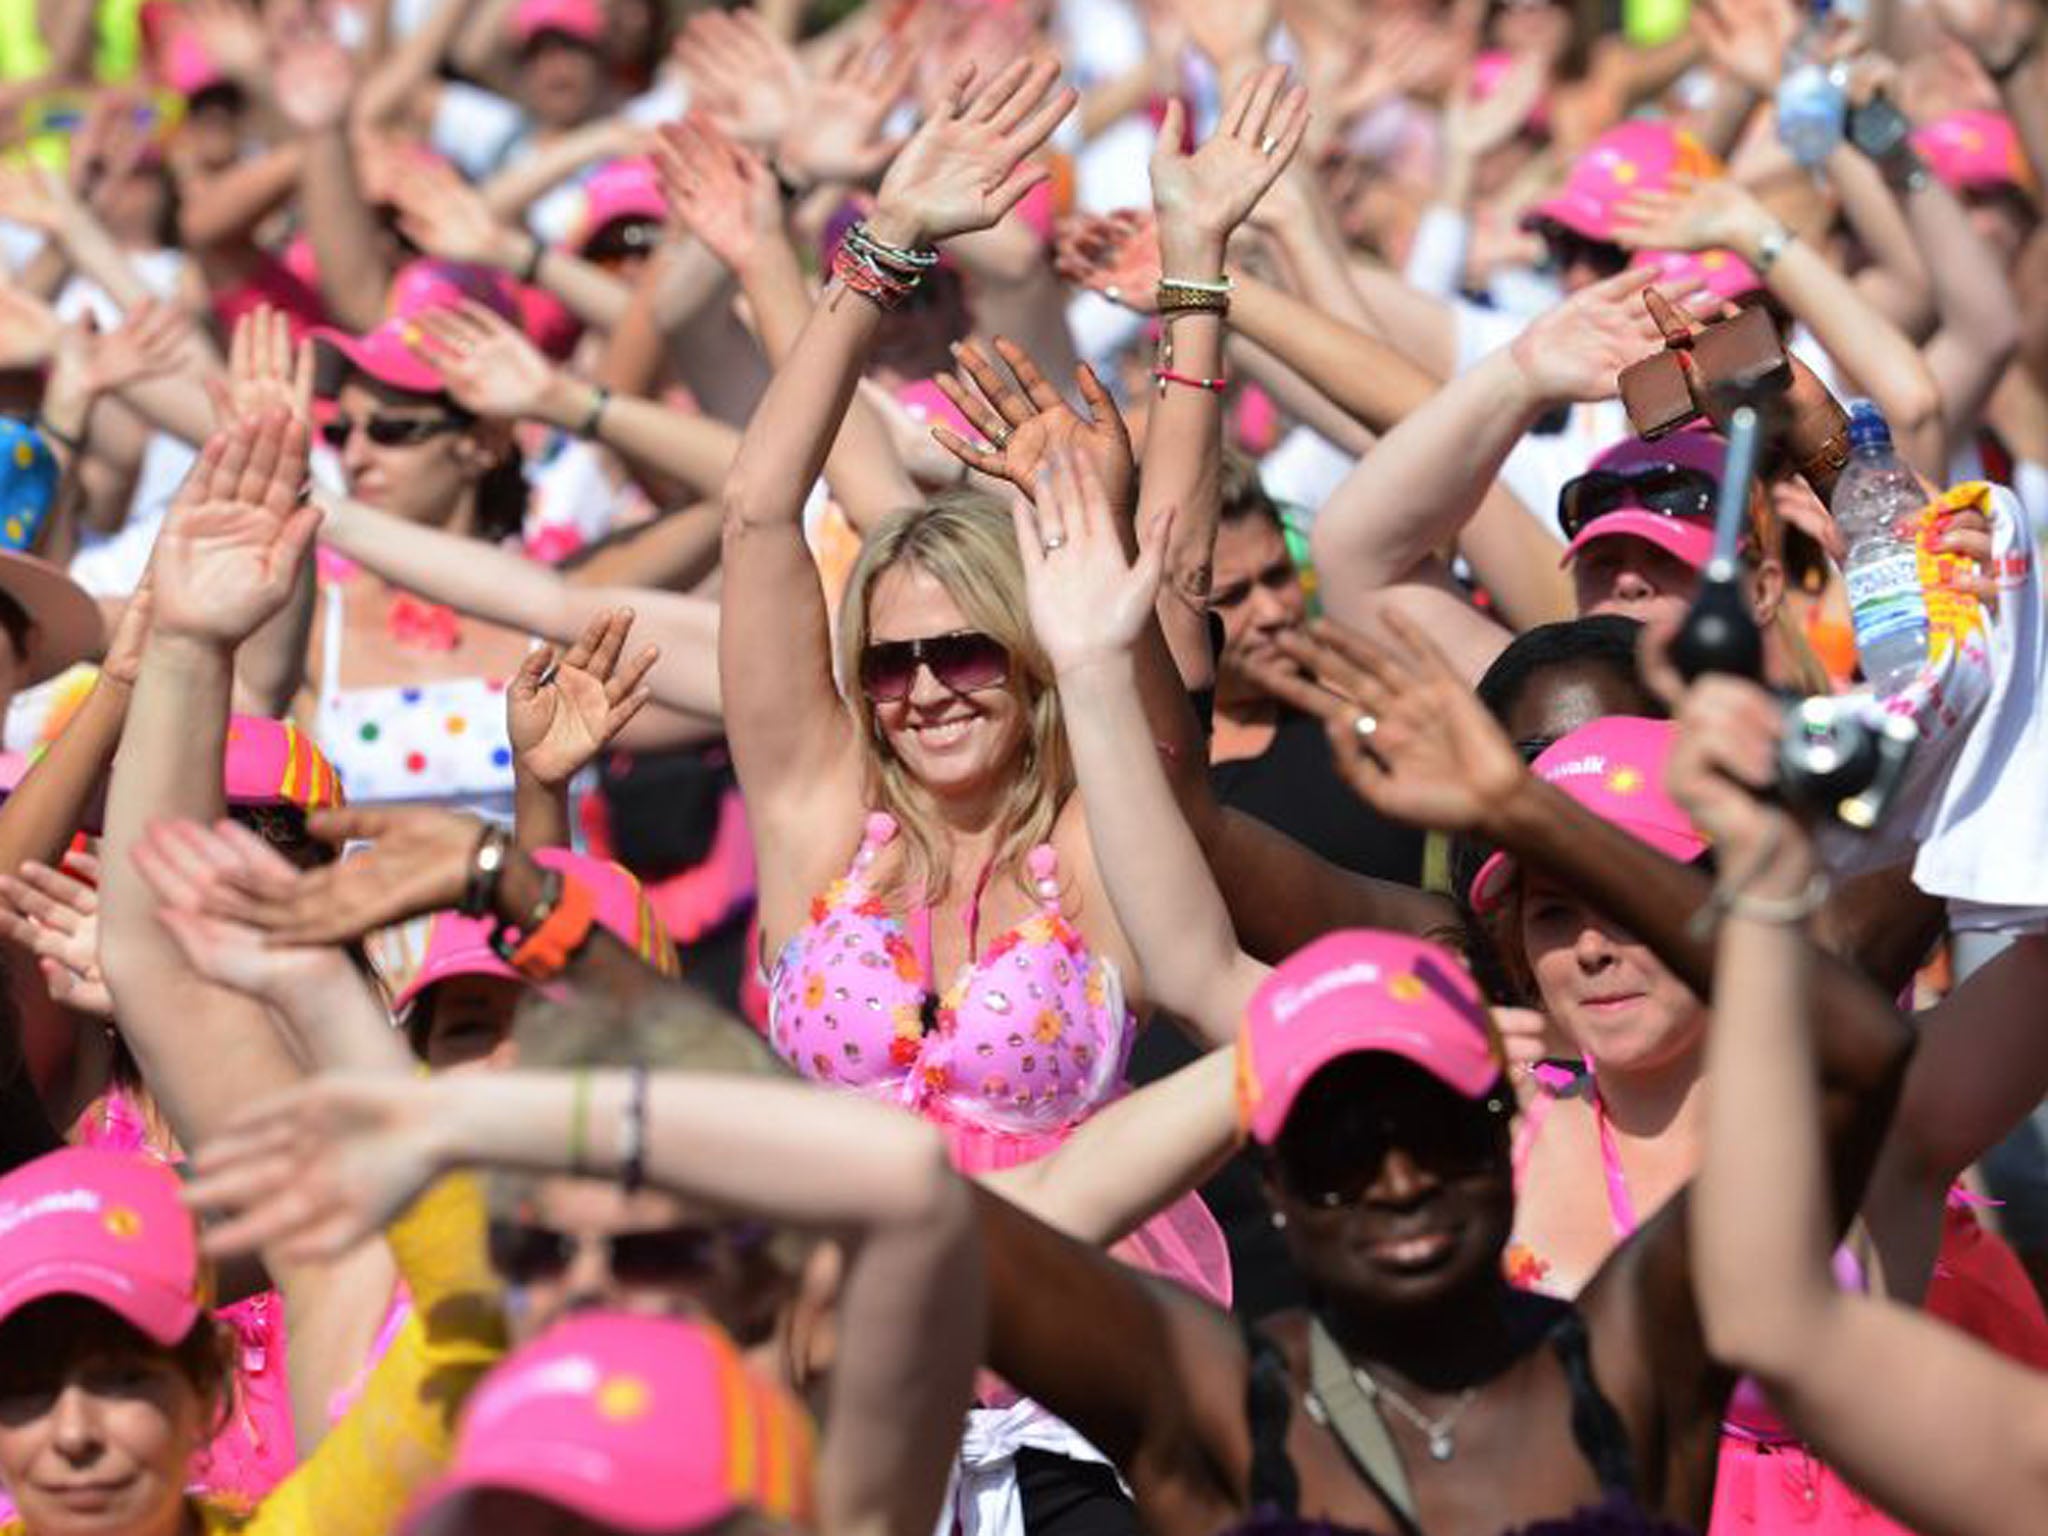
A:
[1879, 129]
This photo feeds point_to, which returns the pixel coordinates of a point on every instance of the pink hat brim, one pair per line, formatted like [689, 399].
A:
[161, 1315]
[1468, 1074]
[384, 356]
[1491, 884]
[65, 623]
[518, 1469]
[1688, 541]
[1575, 211]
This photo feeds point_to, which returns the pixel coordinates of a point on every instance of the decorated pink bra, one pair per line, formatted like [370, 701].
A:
[1030, 1036]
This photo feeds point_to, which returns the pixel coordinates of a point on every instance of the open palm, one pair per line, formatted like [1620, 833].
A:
[237, 534]
[1088, 601]
[1031, 422]
[560, 716]
[1212, 190]
[965, 167]
[487, 363]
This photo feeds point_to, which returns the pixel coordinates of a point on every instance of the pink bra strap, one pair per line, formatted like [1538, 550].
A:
[1621, 1209]
[921, 927]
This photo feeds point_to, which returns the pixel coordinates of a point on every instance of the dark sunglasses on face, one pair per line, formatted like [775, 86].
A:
[965, 662]
[623, 239]
[388, 431]
[1569, 248]
[525, 1253]
[1668, 490]
[1343, 1160]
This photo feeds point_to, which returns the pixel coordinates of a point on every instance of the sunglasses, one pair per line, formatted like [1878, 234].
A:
[1668, 490]
[1347, 1156]
[965, 662]
[388, 431]
[527, 1254]
[623, 239]
[1569, 248]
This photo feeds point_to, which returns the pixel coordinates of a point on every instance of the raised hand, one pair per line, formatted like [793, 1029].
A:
[1406, 732]
[488, 364]
[1746, 39]
[1202, 197]
[123, 662]
[29, 328]
[314, 80]
[417, 862]
[1226, 31]
[318, 1168]
[835, 133]
[1029, 423]
[448, 218]
[233, 36]
[187, 865]
[267, 372]
[721, 191]
[237, 532]
[742, 75]
[1994, 30]
[1115, 255]
[1575, 350]
[560, 715]
[966, 166]
[1474, 128]
[154, 339]
[35, 196]
[55, 915]
[1088, 602]
[1692, 214]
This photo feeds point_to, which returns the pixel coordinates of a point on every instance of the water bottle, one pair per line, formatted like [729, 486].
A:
[1877, 505]
[1812, 104]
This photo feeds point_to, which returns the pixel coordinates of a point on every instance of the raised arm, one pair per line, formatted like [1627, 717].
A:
[1088, 608]
[911, 1312]
[1960, 1440]
[792, 740]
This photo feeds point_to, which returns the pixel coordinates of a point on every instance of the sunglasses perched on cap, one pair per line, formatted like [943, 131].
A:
[388, 431]
[622, 240]
[1569, 248]
[1668, 490]
[966, 661]
[529, 1254]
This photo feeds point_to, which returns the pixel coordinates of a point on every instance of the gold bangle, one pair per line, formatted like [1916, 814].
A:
[1175, 298]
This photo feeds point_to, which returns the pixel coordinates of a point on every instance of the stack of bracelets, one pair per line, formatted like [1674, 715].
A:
[1179, 296]
[888, 274]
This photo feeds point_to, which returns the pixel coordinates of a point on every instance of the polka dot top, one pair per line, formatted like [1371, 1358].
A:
[443, 740]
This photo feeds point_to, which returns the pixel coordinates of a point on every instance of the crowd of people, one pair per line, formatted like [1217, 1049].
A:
[1023, 767]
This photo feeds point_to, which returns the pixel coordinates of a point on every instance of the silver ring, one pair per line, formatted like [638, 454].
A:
[1000, 437]
[1114, 294]
[1054, 541]
[1363, 725]
[1267, 145]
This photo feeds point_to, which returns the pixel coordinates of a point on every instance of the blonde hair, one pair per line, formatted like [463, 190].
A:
[965, 541]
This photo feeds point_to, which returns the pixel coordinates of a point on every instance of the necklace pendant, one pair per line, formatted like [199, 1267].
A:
[1441, 1446]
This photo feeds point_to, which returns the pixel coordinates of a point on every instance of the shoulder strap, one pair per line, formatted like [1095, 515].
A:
[1275, 1488]
[1596, 1425]
[1336, 1402]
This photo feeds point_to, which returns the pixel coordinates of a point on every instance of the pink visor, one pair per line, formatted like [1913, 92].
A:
[1615, 768]
[392, 353]
[1359, 990]
[104, 1225]
[624, 189]
[640, 1424]
[461, 946]
[580, 19]
[1974, 151]
[1723, 274]
[1688, 539]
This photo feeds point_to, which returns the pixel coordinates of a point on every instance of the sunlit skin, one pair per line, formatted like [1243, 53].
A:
[420, 482]
[1565, 697]
[961, 747]
[1625, 575]
[99, 1440]
[471, 1024]
[560, 80]
[1256, 592]
[1616, 1000]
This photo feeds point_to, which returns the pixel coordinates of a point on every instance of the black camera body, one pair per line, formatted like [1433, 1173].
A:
[1840, 757]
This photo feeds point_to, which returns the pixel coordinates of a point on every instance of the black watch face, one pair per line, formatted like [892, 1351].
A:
[1878, 128]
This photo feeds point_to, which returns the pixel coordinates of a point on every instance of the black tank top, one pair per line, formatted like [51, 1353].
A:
[1597, 1429]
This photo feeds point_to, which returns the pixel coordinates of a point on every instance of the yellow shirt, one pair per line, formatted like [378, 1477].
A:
[402, 1430]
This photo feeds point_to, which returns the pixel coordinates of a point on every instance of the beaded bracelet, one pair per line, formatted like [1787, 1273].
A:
[1167, 376]
[870, 279]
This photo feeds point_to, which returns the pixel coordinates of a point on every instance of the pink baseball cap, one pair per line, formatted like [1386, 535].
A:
[273, 762]
[1614, 767]
[391, 353]
[1637, 156]
[461, 946]
[643, 1424]
[1974, 151]
[582, 20]
[1723, 274]
[187, 65]
[1695, 447]
[623, 189]
[104, 1225]
[1359, 990]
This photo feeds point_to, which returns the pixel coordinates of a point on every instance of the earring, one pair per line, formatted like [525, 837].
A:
[1279, 1221]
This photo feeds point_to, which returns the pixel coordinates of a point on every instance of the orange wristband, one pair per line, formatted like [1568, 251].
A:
[544, 953]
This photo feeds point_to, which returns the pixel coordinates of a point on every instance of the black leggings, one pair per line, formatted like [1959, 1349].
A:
[1065, 1497]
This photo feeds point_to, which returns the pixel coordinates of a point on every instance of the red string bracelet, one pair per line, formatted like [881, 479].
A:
[1167, 376]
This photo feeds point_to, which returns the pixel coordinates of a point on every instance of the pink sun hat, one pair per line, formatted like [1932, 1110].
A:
[104, 1225]
[1723, 274]
[187, 66]
[1614, 767]
[1359, 990]
[1696, 447]
[1640, 155]
[391, 353]
[1974, 151]
[643, 1424]
[582, 20]
[461, 946]
[622, 189]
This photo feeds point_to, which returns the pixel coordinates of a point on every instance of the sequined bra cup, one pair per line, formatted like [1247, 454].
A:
[1030, 1036]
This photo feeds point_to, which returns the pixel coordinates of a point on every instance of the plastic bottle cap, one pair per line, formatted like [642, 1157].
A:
[1867, 427]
